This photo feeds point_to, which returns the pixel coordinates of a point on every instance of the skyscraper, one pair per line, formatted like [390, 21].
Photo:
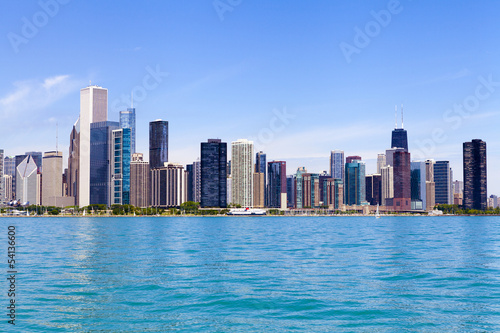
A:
[261, 166]
[139, 181]
[258, 190]
[299, 187]
[213, 173]
[277, 184]
[290, 191]
[127, 120]
[93, 109]
[443, 180]
[381, 162]
[168, 185]
[399, 135]
[337, 164]
[74, 161]
[387, 187]
[2, 185]
[52, 178]
[475, 181]
[28, 182]
[355, 183]
[37, 158]
[158, 143]
[402, 181]
[242, 172]
[374, 189]
[120, 170]
[101, 163]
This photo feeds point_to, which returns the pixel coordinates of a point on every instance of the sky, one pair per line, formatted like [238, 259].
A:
[299, 78]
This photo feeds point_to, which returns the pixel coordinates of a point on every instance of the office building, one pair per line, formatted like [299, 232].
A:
[168, 185]
[387, 190]
[337, 164]
[258, 189]
[139, 181]
[213, 173]
[355, 183]
[2, 185]
[475, 181]
[52, 188]
[242, 172]
[350, 159]
[28, 182]
[74, 162]
[93, 109]
[373, 185]
[443, 179]
[158, 143]
[127, 120]
[277, 184]
[261, 166]
[7, 185]
[402, 181]
[310, 190]
[299, 187]
[101, 151]
[458, 187]
[333, 193]
[120, 166]
[399, 137]
[381, 162]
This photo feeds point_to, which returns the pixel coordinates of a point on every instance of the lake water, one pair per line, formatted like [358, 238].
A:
[255, 274]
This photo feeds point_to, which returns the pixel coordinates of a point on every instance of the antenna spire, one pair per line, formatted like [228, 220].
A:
[402, 123]
[396, 116]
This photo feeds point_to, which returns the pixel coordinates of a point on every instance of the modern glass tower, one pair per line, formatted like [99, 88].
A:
[127, 120]
[260, 167]
[120, 175]
[158, 143]
[402, 181]
[442, 178]
[337, 164]
[277, 183]
[475, 181]
[213, 173]
[355, 186]
[101, 150]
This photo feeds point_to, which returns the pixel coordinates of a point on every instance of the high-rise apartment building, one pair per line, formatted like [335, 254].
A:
[93, 109]
[381, 162]
[242, 172]
[310, 190]
[277, 184]
[120, 166]
[139, 181]
[158, 143]
[337, 164]
[387, 190]
[290, 191]
[127, 120]
[168, 185]
[213, 173]
[475, 177]
[101, 151]
[402, 181]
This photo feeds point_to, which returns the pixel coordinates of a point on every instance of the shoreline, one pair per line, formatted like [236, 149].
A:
[246, 216]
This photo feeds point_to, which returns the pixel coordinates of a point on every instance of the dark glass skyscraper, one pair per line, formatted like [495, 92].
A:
[100, 155]
[399, 139]
[277, 182]
[213, 173]
[355, 183]
[402, 181]
[158, 143]
[260, 166]
[442, 178]
[475, 182]
[127, 120]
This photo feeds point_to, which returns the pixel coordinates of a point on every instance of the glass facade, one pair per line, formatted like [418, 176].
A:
[399, 139]
[100, 152]
[214, 173]
[127, 120]
[158, 143]
[475, 181]
[260, 166]
[337, 164]
[402, 181]
[121, 166]
[355, 183]
[277, 182]
[442, 178]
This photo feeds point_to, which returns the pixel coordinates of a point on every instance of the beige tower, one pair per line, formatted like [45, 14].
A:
[242, 172]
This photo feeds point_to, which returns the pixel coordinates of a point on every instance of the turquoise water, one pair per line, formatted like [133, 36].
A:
[256, 274]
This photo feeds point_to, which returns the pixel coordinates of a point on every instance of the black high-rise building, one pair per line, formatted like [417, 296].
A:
[475, 182]
[158, 143]
[260, 166]
[277, 182]
[213, 173]
[399, 139]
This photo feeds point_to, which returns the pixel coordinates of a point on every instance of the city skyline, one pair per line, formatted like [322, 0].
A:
[315, 85]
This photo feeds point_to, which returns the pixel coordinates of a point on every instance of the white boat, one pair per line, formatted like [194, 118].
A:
[377, 214]
[246, 211]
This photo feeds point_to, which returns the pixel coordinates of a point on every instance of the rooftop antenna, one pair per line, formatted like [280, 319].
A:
[396, 116]
[402, 123]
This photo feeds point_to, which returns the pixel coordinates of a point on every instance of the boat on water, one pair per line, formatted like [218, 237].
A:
[377, 214]
[246, 211]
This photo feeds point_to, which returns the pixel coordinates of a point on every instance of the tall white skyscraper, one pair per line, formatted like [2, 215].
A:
[28, 182]
[242, 172]
[387, 185]
[381, 162]
[337, 168]
[52, 178]
[93, 108]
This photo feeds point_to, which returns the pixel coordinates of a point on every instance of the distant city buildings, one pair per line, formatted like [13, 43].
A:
[443, 177]
[337, 164]
[28, 182]
[355, 181]
[475, 180]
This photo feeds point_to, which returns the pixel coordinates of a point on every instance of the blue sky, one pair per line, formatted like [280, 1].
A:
[236, 67]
